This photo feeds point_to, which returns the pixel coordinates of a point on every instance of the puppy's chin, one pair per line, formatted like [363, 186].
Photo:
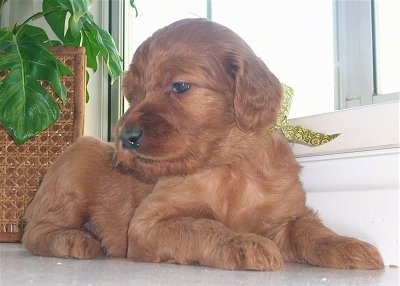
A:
[150, 169]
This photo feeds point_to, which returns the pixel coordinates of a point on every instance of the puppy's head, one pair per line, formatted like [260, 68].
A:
[189, 86]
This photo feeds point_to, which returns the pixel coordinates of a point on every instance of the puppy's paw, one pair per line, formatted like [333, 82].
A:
[77, 244]
[250, 252]
[348, 253]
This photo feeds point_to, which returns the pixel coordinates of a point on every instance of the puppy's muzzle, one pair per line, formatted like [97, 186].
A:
[130, 137]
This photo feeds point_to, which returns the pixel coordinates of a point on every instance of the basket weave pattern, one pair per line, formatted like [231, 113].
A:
[22, 167]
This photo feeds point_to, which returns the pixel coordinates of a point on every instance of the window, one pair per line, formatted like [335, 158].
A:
[367, 58]
[324, 49]
[386, 20]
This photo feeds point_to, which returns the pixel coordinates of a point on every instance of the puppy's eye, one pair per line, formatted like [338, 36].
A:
[180, 87]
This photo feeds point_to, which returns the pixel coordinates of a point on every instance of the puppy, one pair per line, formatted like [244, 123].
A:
[195, 175]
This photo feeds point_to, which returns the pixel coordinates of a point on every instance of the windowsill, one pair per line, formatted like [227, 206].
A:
[372, 127]
[364, 157]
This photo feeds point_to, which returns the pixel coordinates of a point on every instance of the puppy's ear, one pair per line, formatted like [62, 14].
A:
[257, 92]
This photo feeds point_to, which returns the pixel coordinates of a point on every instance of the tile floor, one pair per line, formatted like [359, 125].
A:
[18, 267]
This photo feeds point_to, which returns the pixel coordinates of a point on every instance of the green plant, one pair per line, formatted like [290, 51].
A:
[26, 108]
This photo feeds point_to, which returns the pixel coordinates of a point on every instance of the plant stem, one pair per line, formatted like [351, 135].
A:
[33, 17]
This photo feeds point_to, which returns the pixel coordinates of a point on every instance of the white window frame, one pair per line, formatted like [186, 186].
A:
[117, 29]
[354, 64]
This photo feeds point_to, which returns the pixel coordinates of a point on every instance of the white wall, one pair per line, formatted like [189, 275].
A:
[357, 194]
[369, 215]
[353, 181]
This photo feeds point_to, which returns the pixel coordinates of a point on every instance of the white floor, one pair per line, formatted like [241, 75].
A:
[18, 267]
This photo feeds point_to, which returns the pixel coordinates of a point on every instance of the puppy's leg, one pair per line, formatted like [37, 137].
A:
[161, 233]
[54, 226]
[309, 241]
[49, 240]
[55, 217]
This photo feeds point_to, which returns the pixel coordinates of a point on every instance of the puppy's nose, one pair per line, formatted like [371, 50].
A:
[130, 137]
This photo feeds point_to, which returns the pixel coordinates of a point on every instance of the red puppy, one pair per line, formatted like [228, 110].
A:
[195, 176]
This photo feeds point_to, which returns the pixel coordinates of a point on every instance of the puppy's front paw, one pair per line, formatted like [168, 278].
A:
[76, 244]
[250, 252]
[348, 253]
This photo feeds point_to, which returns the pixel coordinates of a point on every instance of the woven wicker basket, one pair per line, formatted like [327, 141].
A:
[22, 167]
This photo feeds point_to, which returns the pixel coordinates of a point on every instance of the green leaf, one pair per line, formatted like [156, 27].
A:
[81, 30]
[133, 5]
[87, 82]
[57, 20]
[26, 107]
[38, 34]
[100, 42]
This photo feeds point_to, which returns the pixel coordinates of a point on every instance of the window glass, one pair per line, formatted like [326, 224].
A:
[295, 39]
[155, 14]
[387, 46]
